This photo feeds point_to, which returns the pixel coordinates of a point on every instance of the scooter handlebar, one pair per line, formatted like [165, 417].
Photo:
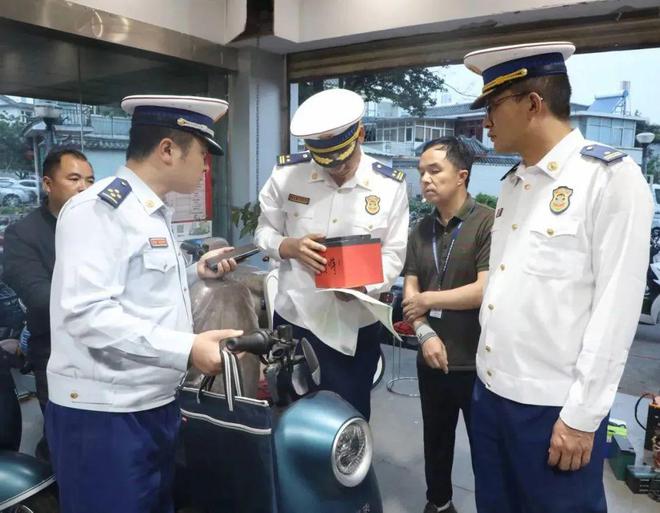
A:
[258, 343]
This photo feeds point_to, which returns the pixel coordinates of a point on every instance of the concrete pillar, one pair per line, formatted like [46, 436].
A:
[257, 117]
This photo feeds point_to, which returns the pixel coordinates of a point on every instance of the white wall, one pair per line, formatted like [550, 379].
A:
[486, 179]
[311, 20]
[219, 21]
[104, 162]
[301, 21]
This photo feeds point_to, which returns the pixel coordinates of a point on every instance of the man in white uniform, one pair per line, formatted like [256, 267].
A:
[567, 271]
[121, 321]
[332, 190]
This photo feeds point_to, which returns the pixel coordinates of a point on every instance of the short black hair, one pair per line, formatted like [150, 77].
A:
[554, 89]
[54, 158]
[145, 139]
[458, 153]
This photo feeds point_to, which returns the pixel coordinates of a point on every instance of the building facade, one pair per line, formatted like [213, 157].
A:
[396, 138]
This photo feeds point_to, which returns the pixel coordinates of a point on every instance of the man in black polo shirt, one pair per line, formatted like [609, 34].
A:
[445, 275]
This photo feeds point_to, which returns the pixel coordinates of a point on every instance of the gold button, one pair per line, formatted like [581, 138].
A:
[488, 348]
[514, 226]
[502, 267]
[371, 226]
[491, 307]
[149, 204]
[527, 186]
[552, 166]
[73, 395]
[550, 231]
[366, 183]
[295, 214]
[334, 220]
[315, 176]
[489, 373]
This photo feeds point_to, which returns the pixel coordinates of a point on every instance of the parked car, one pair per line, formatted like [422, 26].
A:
[11, 196]
[27, 187]
[31, 185]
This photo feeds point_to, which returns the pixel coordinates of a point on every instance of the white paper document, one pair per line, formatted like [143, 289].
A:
[337, 322]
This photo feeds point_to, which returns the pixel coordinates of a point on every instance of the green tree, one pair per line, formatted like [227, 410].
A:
[486, 199]
[13, 147]
[412, 89]
[643, 126]
[417, 210]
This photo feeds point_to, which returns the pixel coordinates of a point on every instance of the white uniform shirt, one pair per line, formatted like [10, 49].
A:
[565, 289]
[121, 320]
[299, 199]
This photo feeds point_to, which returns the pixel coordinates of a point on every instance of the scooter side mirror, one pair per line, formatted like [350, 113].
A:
[9, 345]
[312, 361]
[300, 377]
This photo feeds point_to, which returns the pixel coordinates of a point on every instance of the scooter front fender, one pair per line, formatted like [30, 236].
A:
[21, 476]
[303, 438]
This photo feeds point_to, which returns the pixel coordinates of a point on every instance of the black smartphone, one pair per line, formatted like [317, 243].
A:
[239, 254]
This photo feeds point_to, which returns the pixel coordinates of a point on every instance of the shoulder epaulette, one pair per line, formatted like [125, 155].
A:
[387, 171]
[512, 170]
[115, 193]
[293, 158]
[604, 153]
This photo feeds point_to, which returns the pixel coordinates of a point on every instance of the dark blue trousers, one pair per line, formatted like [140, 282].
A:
[349, 376]
[510, 444]
[113, 462]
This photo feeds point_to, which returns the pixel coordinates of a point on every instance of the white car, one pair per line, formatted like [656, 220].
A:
[27, 187]
[11, 196]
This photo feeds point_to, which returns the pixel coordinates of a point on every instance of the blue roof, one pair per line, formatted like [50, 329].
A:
[608, 104]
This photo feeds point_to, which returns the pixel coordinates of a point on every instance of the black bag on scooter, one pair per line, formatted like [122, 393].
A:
[227, 447]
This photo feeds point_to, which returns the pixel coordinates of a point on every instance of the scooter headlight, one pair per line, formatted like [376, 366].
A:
[352, 451]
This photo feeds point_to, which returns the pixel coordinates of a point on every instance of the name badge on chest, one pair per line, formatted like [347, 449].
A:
[158, 242]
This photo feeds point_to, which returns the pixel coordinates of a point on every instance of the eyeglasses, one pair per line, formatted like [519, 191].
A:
[492, 105]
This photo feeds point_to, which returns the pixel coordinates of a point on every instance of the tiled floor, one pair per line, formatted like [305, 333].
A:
[397, 425]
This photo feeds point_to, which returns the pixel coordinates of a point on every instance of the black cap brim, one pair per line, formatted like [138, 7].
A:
[481, 100]
[214, 147]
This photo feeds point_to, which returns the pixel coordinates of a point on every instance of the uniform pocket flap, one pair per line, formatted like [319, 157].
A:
[556, 227]
[297, 211]
[158, 260]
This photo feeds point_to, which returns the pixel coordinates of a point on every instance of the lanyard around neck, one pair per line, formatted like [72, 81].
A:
[454, 236]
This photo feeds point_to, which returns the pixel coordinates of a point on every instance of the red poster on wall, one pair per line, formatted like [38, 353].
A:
[193, 212]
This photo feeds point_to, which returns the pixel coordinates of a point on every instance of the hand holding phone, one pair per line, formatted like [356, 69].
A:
[238, 254]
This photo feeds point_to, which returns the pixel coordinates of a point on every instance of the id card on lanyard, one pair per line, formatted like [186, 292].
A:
[441, 272]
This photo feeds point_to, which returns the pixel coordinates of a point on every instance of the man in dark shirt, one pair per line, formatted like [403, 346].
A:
[30, 253]
[445, 274]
